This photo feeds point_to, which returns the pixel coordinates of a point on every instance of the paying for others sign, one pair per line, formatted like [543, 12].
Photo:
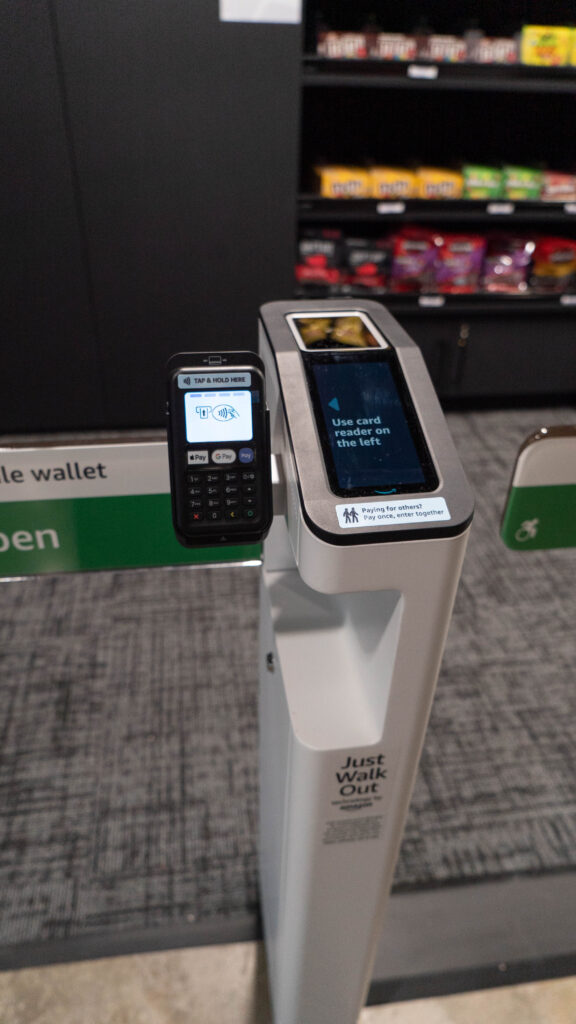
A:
[71, 508]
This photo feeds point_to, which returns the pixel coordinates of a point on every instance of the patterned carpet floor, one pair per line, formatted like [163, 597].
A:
[128, 730]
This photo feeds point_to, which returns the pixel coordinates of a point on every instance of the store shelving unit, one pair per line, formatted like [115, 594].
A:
[393, 112]
[494, 213]
[380, 74]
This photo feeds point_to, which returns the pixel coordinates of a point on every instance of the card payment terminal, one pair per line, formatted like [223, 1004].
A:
[219, 448]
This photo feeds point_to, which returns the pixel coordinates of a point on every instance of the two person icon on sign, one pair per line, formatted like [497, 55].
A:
[350, 515]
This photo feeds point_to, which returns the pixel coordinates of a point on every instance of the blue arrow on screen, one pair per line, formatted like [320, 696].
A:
[334, 404]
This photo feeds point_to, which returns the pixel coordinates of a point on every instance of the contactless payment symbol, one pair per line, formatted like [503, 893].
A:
[224, 413]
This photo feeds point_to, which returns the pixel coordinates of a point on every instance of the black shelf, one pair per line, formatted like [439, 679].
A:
[316, 209]
[435, 304]
[418, 74]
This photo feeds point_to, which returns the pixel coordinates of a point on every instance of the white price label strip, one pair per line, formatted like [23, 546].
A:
[429, 71]
[384, 208]
[500, 209]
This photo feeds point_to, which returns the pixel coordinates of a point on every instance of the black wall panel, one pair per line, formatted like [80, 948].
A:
[49, 367]
[185, 133]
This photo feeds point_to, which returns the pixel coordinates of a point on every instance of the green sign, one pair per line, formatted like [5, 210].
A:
[93, 506]
[540, 510]
[540, 517]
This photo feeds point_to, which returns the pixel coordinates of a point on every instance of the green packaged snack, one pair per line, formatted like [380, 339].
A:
[482, 182]
[522, 182]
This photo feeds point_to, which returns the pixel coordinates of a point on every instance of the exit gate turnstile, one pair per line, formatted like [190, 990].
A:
[360, 573]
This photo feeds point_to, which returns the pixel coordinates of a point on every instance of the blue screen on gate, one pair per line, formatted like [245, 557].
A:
[367, 427]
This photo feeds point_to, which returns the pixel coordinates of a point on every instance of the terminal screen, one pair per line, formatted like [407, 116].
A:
[368, 427]
[213, 416]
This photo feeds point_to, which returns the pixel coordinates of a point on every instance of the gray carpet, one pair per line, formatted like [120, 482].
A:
[128, 767]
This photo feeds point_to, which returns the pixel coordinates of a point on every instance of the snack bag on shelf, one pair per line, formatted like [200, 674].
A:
[521, 183]
[367, 264]
[546, 45]
[482, 182]
[393, 46]
[558, 188]
[393, 183]
[554, 266]
[315, 331]
[338, 182]
[443, 49]
[413, 261]
[342, 45]
[459, 263]
[439, 183]
[484, 50]
[507, 264]
[319, 259]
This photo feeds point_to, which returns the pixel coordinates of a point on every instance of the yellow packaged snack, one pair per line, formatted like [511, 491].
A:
[335, 182]
[546, 45]
[573, 47]
[439, 183]
[393, 183]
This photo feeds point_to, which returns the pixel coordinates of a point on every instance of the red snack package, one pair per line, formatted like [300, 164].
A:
[443, 48]
[558, 187]
[367, 263]
[319, 256]
[413, 261]
[342, 45]
[554, 265]
[459, 263]
[393, 46]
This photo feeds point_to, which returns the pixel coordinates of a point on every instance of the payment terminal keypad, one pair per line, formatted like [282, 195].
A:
[222, 496]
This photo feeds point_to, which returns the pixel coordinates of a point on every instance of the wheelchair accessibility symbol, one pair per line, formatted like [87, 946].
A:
[527, 530]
